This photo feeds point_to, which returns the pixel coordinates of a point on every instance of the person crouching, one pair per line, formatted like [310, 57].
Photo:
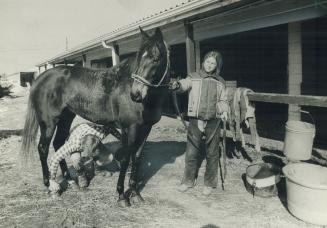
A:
[84, 147]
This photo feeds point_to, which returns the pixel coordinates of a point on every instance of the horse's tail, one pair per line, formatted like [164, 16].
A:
[30, 130]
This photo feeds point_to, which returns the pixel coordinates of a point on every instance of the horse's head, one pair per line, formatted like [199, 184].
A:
[152, 65]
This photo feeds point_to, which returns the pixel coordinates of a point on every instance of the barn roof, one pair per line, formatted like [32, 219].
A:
[178, 12]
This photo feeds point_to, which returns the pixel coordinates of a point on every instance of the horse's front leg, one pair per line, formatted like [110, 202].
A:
[133, 141]
[133, 192]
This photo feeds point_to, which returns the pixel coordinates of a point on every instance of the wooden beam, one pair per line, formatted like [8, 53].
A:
[303, 100]
[197, 55]
[294, 67]
[190, 48]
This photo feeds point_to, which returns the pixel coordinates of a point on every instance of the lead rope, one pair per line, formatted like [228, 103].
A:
[175, 102]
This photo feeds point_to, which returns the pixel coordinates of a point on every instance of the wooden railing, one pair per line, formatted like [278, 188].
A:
[305, 100]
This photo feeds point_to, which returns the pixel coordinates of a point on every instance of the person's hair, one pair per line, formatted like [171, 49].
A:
[217, 56]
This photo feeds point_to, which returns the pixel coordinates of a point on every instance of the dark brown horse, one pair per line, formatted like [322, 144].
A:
[129, 95]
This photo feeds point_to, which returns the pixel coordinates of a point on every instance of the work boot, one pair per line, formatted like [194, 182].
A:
[82, 181]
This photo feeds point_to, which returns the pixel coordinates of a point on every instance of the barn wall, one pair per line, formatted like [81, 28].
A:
[314, 37]
[102, 63]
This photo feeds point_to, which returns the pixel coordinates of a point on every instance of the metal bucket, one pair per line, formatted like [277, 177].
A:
[262, 178]
[306, 186]
[299, 140]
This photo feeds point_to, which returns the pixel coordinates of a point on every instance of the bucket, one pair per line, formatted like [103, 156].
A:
[262, 178]
[306, 186]
[299, 139]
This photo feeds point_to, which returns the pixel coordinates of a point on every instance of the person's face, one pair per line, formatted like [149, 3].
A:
[210, 64]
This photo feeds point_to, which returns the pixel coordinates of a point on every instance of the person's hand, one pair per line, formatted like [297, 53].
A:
[75, 159]
[54, 186]
[174, 85]
[224, 116]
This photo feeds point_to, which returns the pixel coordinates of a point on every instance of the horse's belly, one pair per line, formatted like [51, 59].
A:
[99, 110]
[107, 109]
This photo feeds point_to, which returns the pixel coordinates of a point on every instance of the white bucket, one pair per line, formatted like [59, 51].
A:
[262, 179]
[298, 140]
[306, 186]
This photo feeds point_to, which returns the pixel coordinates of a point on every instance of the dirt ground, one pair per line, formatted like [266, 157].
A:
[24, 202]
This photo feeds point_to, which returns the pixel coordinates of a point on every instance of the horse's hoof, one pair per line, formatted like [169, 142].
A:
[45, 189]
[136, 199]
[83, 189]
[54, 195]
[123, 203]
[46, 182]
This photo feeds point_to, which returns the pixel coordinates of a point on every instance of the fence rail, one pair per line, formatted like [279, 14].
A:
[306, 100]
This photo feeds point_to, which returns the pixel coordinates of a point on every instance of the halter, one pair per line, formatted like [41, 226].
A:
[142, 80]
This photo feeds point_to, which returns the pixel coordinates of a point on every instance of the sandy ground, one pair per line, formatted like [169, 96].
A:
[25, 203]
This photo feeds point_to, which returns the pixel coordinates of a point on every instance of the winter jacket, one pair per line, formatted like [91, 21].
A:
[207, 95]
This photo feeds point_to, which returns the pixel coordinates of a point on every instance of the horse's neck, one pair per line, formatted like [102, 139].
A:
[125, 67]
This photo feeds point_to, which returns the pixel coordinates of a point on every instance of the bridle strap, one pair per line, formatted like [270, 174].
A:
[142, 80]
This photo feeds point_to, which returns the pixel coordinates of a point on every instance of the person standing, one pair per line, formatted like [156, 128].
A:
[207, 106]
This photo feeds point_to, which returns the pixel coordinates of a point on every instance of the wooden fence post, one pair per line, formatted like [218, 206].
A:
[190, 48]
[294, 67]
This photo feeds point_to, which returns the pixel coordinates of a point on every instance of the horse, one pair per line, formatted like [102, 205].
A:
[129, 95]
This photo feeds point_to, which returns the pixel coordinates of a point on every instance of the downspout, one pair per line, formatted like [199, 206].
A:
[114, 52]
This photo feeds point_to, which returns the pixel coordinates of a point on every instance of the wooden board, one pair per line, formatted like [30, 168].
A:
[305, 100]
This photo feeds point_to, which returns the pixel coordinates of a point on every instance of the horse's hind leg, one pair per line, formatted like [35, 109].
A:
[63, 126]
[47, 130]
[123, 155]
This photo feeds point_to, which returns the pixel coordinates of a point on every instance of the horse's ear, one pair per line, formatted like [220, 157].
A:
[158, 34]
[144, 34]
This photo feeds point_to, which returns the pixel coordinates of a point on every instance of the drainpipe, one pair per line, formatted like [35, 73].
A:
[114, 52]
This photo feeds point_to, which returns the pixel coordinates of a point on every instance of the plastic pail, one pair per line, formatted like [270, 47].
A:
[298, 140]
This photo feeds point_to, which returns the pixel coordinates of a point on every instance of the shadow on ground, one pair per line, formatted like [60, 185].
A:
[156, 155]
[7, 133]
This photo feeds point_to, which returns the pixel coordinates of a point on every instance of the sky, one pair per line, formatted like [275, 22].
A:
[34, 30]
